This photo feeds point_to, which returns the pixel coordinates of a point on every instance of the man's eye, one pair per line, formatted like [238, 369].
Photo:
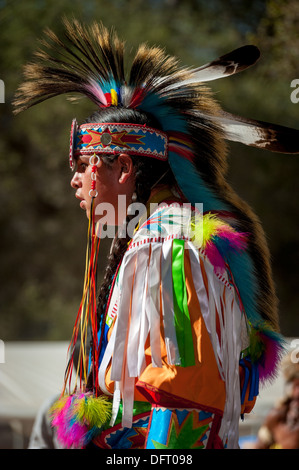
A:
[81, 166]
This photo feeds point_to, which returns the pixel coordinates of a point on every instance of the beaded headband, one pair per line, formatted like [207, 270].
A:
[95, 138]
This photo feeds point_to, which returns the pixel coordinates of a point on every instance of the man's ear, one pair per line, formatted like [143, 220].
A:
[126, 167]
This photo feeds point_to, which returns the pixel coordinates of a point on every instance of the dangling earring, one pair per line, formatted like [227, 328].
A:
[94, 161]
[87, 314]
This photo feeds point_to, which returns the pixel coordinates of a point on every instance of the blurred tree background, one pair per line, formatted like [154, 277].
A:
[43, 230]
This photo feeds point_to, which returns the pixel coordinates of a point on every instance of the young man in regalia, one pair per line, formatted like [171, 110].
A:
[185, 326]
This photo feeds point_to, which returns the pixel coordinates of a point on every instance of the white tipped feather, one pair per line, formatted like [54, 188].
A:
[229, 64]
[259, 134]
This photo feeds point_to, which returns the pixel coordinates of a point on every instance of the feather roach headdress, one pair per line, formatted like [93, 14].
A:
[192, 134]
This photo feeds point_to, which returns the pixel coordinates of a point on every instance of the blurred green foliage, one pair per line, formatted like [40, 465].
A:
[43, 231]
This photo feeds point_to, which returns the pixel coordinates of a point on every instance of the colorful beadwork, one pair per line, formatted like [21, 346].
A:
[118, 437]
[179, 429]
[111, 138]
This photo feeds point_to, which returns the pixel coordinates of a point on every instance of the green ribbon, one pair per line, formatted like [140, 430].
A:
[138, 408]
[181, 312]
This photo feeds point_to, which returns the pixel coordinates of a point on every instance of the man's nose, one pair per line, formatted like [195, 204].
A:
[76, 181]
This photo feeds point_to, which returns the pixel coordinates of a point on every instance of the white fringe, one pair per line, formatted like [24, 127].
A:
[138, 315]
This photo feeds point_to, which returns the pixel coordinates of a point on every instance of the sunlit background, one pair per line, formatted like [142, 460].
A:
[43, 230]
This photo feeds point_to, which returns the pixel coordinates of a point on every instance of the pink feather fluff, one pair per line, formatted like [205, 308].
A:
[96, 93]
[271, 358]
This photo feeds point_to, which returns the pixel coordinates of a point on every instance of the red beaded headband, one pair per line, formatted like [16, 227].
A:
[96, 138]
